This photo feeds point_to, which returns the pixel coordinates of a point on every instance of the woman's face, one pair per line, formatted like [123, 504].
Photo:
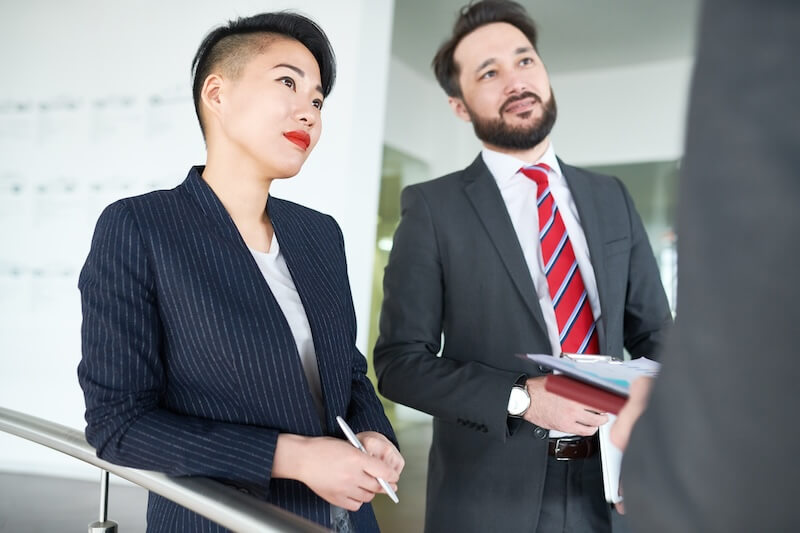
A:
[271, 113]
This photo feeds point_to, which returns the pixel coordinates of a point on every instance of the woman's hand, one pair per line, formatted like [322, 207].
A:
[377, 445]
[335, 470]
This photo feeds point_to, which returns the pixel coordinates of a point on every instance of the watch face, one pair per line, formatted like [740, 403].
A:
[518, 402]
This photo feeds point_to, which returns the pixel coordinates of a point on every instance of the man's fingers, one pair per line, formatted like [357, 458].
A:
[589, 418]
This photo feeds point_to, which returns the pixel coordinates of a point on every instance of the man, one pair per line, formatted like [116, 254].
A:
[714, 451]
[467, 262]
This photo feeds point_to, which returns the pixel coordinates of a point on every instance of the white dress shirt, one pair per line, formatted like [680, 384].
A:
[519, 194]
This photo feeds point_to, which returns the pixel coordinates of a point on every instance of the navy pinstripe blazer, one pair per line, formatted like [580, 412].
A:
[189, 366]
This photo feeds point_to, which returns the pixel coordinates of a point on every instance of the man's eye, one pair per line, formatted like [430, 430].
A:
[317, 104]
[488, 74]
[526, 61]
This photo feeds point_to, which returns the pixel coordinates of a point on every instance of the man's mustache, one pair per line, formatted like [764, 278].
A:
[517, 98]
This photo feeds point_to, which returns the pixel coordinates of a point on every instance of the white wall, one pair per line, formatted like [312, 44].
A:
[622, 115]
[619, 115]
[88, 132]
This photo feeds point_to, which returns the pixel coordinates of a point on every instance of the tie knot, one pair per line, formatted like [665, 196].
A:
[537, 173]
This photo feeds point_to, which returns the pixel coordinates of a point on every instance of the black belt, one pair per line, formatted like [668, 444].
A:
[566, 448]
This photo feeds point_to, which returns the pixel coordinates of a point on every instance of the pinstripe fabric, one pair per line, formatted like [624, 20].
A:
[189, 366]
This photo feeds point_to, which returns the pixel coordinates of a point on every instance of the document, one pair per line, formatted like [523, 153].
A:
[601, 371]
[611, 461]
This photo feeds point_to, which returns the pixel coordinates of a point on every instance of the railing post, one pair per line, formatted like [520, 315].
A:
[104, 525]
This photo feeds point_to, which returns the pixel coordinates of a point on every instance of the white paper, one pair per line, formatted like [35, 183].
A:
[615, 376]
[611, 461]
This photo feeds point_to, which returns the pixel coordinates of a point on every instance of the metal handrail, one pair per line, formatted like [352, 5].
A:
[223, 504]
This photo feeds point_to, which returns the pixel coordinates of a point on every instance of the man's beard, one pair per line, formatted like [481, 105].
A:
[497, 132]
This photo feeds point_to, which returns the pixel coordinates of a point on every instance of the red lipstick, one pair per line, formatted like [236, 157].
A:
[299, 137]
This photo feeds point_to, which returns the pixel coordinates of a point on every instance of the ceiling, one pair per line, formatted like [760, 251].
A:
[573, 34]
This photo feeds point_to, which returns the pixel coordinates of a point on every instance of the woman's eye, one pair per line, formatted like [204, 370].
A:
[289, 82]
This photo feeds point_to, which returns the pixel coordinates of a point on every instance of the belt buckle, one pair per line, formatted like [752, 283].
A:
[558, 448]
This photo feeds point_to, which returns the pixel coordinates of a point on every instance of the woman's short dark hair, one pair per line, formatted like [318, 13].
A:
[233, 45]
[472, 17]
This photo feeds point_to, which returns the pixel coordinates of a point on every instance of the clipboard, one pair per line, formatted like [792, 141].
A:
[603, 372]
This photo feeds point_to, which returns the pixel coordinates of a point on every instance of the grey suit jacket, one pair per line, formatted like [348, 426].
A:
[456, 268]
[723, 414]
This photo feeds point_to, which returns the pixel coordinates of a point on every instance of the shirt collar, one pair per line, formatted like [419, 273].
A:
[505, 167]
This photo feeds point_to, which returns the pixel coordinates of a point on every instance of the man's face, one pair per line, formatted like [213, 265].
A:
[505, 88]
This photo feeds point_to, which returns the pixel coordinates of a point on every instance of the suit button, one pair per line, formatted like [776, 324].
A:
[540, 433]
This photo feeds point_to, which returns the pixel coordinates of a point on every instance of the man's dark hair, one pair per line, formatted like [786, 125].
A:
[230, 47]
[472, 17]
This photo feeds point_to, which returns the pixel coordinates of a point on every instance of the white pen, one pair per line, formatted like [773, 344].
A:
[357, 443]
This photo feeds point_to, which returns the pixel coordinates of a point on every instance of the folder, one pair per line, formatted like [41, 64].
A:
[572, 389]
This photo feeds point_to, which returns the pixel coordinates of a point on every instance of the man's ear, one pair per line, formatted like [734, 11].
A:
[459, 108]
[211, 96]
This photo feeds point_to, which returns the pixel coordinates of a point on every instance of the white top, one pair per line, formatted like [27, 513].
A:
[519, 195]
[276, 272]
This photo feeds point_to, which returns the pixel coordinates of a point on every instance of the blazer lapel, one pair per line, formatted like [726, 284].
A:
[216, 216]
[581, 188]
[482, 191]
[307, 260]
[221, 223]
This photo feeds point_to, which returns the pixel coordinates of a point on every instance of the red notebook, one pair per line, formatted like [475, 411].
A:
[575, 390]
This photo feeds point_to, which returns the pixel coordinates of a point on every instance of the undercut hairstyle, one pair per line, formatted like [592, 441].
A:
[229, 48]
[470, 18]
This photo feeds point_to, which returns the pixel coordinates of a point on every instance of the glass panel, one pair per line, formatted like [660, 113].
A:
[653, 186]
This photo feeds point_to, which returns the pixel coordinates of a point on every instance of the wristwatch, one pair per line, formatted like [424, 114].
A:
[518, 401]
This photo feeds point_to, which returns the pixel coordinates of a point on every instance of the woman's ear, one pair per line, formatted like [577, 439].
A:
[211, 97]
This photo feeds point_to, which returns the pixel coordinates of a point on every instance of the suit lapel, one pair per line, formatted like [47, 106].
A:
[303, 249]
[482, 191]
[221, 223]
[580, 187]
[216, 217]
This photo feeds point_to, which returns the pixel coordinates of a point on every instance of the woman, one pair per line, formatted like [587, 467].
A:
[218, 326]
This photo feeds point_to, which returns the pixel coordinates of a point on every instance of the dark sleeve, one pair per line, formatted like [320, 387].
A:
[647, 316]
[364, 412]
[123, 376]
[409, 371]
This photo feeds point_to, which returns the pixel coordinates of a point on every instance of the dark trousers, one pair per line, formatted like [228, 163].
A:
[573, 499]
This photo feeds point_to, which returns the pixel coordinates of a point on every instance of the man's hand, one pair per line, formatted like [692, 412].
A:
[627, 417]
[335, 470]
[551, 411]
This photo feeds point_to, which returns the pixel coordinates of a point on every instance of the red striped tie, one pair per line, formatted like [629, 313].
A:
[576, 325]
